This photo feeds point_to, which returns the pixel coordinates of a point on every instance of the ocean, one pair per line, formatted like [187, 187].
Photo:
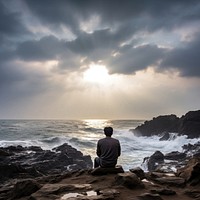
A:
[84, 134]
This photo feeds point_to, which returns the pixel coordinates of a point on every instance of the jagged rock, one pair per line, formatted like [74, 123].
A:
[159, 125]
[175, 155]
[189, 125]
[25, 188]
[154, 160]
[18, 161]
[171, 181]
[139, 172]
[129, 180]
[149, 196]
[165, 136]
[111, 170]
[191, 172]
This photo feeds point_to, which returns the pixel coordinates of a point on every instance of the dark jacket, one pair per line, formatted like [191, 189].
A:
[108, 150]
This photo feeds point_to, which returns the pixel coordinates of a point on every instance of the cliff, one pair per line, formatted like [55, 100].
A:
[188, 124]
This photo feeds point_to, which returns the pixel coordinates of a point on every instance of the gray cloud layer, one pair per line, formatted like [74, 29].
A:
[123, 26]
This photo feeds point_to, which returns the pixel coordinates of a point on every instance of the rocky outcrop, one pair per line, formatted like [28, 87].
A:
[189, 125]
[173, 160]
[28, 162]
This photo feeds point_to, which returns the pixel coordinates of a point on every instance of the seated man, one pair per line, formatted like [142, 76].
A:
[108, 150]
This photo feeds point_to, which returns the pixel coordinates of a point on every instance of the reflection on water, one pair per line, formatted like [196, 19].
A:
[97, 123]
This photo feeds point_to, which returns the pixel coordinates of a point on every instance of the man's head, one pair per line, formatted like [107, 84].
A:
[108, 131]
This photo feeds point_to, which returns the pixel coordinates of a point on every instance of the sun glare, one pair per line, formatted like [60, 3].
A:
[96, 74]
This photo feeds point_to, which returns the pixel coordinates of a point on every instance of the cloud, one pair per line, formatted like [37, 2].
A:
[185, 59]
[132, 59]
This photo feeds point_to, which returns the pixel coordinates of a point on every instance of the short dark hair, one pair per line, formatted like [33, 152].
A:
[108, 131]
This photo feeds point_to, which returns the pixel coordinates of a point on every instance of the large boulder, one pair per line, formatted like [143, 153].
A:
[191, 172]
[129, 180]
[155, 160]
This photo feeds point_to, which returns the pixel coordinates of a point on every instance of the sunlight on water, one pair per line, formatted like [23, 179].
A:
[97, 123]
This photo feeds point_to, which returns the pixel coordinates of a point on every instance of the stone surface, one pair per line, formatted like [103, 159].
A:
[138, 171]
[28, 162]
[191, 172]
[171, 181]
[103, 170]
[164, 191]
[149, 196]
[129, 180]
[154, 160]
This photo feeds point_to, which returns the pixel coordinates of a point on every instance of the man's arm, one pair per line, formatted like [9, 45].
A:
[98, 152]
[119, 150]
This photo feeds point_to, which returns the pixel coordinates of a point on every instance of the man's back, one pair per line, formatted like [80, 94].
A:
[108, 149]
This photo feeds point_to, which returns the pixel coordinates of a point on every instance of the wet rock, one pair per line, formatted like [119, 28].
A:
[111, 170]
[158, 125]
[175, 155]
[165, 136]
[28, 162]
[154, 160]
[139, 172]
[149, 196]
[129, 180]
[189, 125]
[191, 172]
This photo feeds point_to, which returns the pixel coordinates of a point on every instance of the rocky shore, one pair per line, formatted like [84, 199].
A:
[188, 124]
[31, 173]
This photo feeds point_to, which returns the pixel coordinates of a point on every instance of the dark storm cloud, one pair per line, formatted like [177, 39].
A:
[132, 59]
[10, 23]
[185, 59]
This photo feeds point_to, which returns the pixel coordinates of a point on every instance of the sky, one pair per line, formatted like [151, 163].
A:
[99, 59]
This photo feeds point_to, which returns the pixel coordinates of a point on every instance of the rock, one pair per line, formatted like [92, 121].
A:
[25, 188]
[129, 180]
[149, 196]
[164, 191]
[193, 193]
[175, 155]
[166, 136]
[18, 161]
[49, 190]
[159, 125]
[103, 170]
[191, 172]
[171, 181]
[139, 172]
[154, 160]
[189, 125]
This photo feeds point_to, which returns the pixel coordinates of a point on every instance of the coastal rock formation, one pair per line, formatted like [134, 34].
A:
[18, 161]
[22, 179]
[189, 125]
[172, 160]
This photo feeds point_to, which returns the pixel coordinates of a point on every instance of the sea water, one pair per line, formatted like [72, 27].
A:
[84, 134]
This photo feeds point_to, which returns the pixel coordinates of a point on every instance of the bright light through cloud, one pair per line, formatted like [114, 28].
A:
[96, 74]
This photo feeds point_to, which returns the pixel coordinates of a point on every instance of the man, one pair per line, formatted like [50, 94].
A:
[108, 150]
